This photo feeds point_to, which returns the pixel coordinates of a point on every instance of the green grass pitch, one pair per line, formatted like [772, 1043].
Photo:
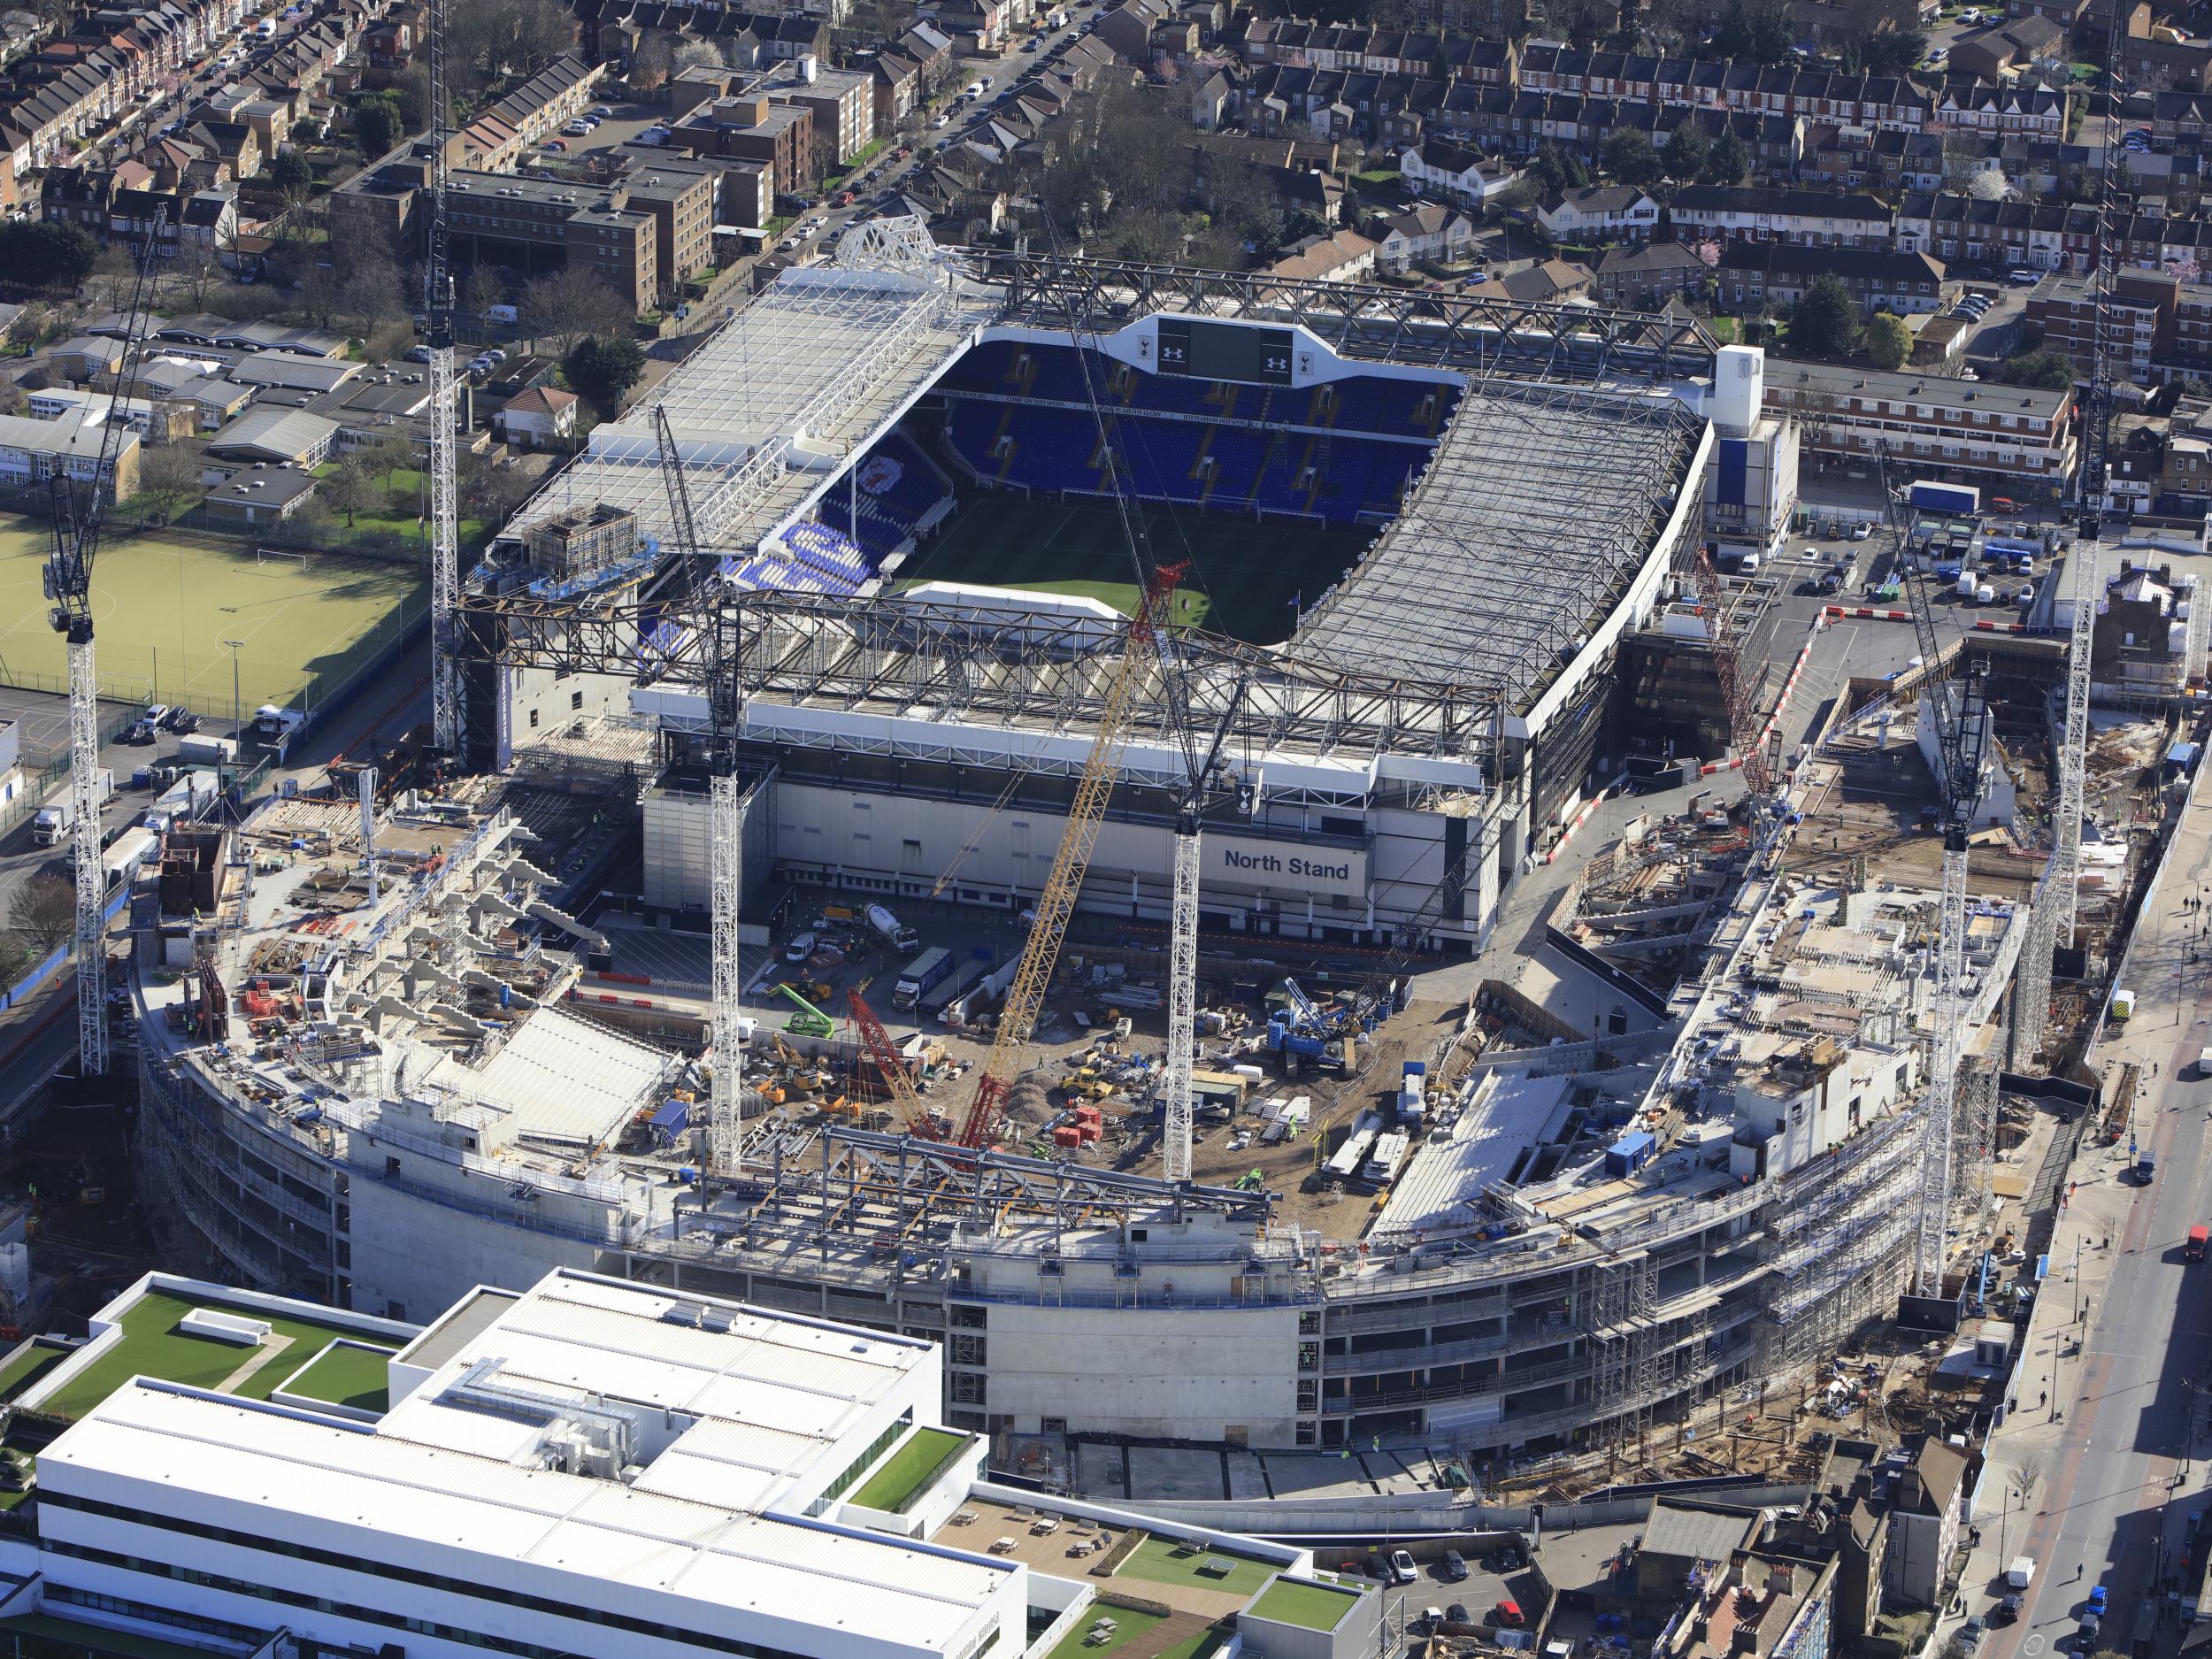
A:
[1245, 571]
[163, 609]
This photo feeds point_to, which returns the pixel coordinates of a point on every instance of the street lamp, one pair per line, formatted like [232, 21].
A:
[236, 647]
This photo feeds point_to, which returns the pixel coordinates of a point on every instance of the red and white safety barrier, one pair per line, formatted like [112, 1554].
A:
[1574, 824]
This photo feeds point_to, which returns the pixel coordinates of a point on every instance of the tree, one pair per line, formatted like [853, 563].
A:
[602, 369]
[1885, 51]
[1685, 150]
[568, 305]
[1825, 323]
[45, 912]
[652, 62]
[376, 126]
[2044, 369]
[167, 475]
[484, 289]
[1546, 168]
[697, 55]
[290, 172]
[1888, 341]
[1762, 31]
[1628, 156]
[309, 131]
[48, 253]
[349, 488]
[1728, 160]
[389, 342]
[114, 272]
[388, 456]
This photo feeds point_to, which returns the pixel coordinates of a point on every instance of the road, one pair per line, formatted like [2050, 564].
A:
[2105, 1463]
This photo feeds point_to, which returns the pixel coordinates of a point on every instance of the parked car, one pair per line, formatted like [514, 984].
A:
[1453, 1566]
[1402, 1568]
[1456, 1614]
[555, 145]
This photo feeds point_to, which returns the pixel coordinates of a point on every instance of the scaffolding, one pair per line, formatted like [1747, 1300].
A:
[1841, 1240]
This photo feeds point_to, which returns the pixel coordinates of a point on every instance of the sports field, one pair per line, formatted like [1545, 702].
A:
[1245, 572]
[163, 611]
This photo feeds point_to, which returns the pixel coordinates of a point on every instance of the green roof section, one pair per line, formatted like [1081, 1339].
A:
[27, 1365]
[1172, 1561]
[151, 1345]
[348, 1373]
[1305, 1604]
[908, 1469]
[1128, 1626]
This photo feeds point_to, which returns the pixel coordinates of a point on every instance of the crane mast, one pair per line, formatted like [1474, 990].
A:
[78, 507]
[445, 514]
[1064, 882]
[2052, 910]
[1962, 730]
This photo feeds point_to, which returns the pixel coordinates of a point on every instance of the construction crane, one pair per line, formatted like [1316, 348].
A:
[726, 830]
[2052, 908]
[79, 507]
[1204, 776]
[1032, 976]
[1743, 718]
[1961, 732]
[445, 515]
[877, 1041]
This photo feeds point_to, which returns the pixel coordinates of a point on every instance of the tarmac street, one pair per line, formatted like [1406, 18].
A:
[2096, 1471]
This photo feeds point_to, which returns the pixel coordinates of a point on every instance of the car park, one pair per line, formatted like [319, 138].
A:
[556, 146]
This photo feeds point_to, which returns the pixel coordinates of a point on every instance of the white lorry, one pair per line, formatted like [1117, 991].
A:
[53, 819]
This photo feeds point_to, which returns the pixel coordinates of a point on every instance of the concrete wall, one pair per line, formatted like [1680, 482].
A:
[414, 1255]
[1205, 1374]
[906, 841]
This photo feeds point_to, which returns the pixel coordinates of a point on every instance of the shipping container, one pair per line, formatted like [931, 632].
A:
[1930, 496]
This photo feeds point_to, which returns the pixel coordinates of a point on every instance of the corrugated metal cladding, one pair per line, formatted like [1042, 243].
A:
[1735, 462]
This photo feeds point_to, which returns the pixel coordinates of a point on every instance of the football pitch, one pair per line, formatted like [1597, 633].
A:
[164, 612]
[1245, 572]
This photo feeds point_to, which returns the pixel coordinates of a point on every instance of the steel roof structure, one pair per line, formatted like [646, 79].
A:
[1536, 509]
[805, 372]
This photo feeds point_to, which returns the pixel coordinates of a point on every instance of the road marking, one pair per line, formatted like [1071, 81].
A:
[2034, 1645]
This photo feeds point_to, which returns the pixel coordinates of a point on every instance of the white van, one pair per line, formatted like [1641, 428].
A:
[1750, 564]
[501, 313]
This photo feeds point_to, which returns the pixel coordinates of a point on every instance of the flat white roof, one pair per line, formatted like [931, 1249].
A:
[747, 1399]
[305, 1476]
[1510, 1112]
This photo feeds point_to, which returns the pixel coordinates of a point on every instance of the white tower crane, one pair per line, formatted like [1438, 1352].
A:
[78, 505]
[445, 519]
[2051, 911]
[726, 851]
[1962, 728]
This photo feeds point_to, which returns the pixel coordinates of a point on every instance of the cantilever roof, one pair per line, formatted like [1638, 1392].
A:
[825, 354]
[1539, 506]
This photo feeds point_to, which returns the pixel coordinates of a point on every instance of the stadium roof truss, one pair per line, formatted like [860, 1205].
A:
[885, 1195]
[1536, 509]
[905, 658]
[822, 356]
[1393, 325]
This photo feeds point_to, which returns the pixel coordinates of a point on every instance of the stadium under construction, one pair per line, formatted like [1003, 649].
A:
[368, 1077]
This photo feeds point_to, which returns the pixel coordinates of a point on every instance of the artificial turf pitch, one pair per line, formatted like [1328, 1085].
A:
[1245, 572]
[163, 611]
